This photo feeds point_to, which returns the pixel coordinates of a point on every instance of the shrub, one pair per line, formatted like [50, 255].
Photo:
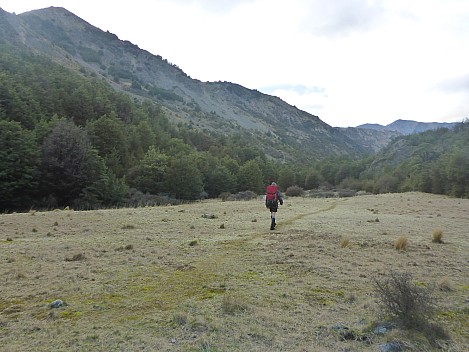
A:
[401, 243]
[225, 196]
[437, 236]
[399, 297]
[244, 195]
[294, 191]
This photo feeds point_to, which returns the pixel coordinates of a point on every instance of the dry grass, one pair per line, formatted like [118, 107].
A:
[445, 285]
[437, 236]
[345, 242]
[401, 243]
[170, 279]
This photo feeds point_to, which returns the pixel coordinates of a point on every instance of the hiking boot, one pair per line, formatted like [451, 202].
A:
[272, 225]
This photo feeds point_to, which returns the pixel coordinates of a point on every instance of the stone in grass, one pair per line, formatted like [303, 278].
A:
[384, 328]
[57, 303]
[391, 347]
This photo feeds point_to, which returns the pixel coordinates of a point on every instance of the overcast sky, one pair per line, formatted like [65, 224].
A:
[347, 61]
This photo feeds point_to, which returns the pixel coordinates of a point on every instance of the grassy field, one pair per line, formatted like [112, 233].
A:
[211, 276]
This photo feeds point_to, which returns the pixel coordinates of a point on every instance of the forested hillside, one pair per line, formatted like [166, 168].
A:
[434, 161]
[68, 139]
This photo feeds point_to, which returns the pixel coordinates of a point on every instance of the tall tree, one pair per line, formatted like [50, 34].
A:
[69, 163]
[19, 161]
[151, 174]
[184, 178]
[250, 177]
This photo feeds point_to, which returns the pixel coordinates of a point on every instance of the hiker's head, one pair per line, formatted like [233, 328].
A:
[274, 184]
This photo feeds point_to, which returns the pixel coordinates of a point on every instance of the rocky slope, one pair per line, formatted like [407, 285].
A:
[282, 130]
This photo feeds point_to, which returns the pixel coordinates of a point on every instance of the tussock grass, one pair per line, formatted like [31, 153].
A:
[437, 236]
[401, 243]
[345, 242]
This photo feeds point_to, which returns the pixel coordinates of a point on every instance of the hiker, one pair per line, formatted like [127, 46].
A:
[272, 198]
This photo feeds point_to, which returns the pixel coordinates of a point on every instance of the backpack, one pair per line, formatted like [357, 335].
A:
[271, 193]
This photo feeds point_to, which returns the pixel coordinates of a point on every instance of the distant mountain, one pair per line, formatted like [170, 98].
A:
[281, 130]
[376, 139]
[406, 127]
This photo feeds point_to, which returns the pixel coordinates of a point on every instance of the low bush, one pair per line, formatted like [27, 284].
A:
[245, 195]
[403, 300]
[294, 191]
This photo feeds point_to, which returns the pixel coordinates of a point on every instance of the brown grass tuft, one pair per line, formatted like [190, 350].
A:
[401, 243]
[437, 236]
[345, 242]
[180, 318]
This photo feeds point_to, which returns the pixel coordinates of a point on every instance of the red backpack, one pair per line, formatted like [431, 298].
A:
[271, 192]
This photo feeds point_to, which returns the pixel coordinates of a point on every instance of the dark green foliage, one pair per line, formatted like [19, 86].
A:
[107, 190]
[433, 161]
[69, 163]
[150, 174]
[250, 177]
[184, 178]
[109, 136]
[312, 180]
[19, 161]
[164, 94]
[287, 177]
[219, 180]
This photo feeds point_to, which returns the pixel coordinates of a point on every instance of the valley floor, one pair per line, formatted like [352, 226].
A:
[211, 276]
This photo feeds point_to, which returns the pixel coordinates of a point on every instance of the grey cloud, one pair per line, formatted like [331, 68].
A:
[340, 17]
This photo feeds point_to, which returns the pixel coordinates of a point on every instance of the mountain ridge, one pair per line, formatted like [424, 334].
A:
[406, 127]
[283, 131]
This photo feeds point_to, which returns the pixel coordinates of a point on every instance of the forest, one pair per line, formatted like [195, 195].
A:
[68, 138]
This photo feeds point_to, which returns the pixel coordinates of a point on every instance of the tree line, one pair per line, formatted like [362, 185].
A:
[72, 140]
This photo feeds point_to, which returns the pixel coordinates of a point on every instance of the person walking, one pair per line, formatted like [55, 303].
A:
[272, 198]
